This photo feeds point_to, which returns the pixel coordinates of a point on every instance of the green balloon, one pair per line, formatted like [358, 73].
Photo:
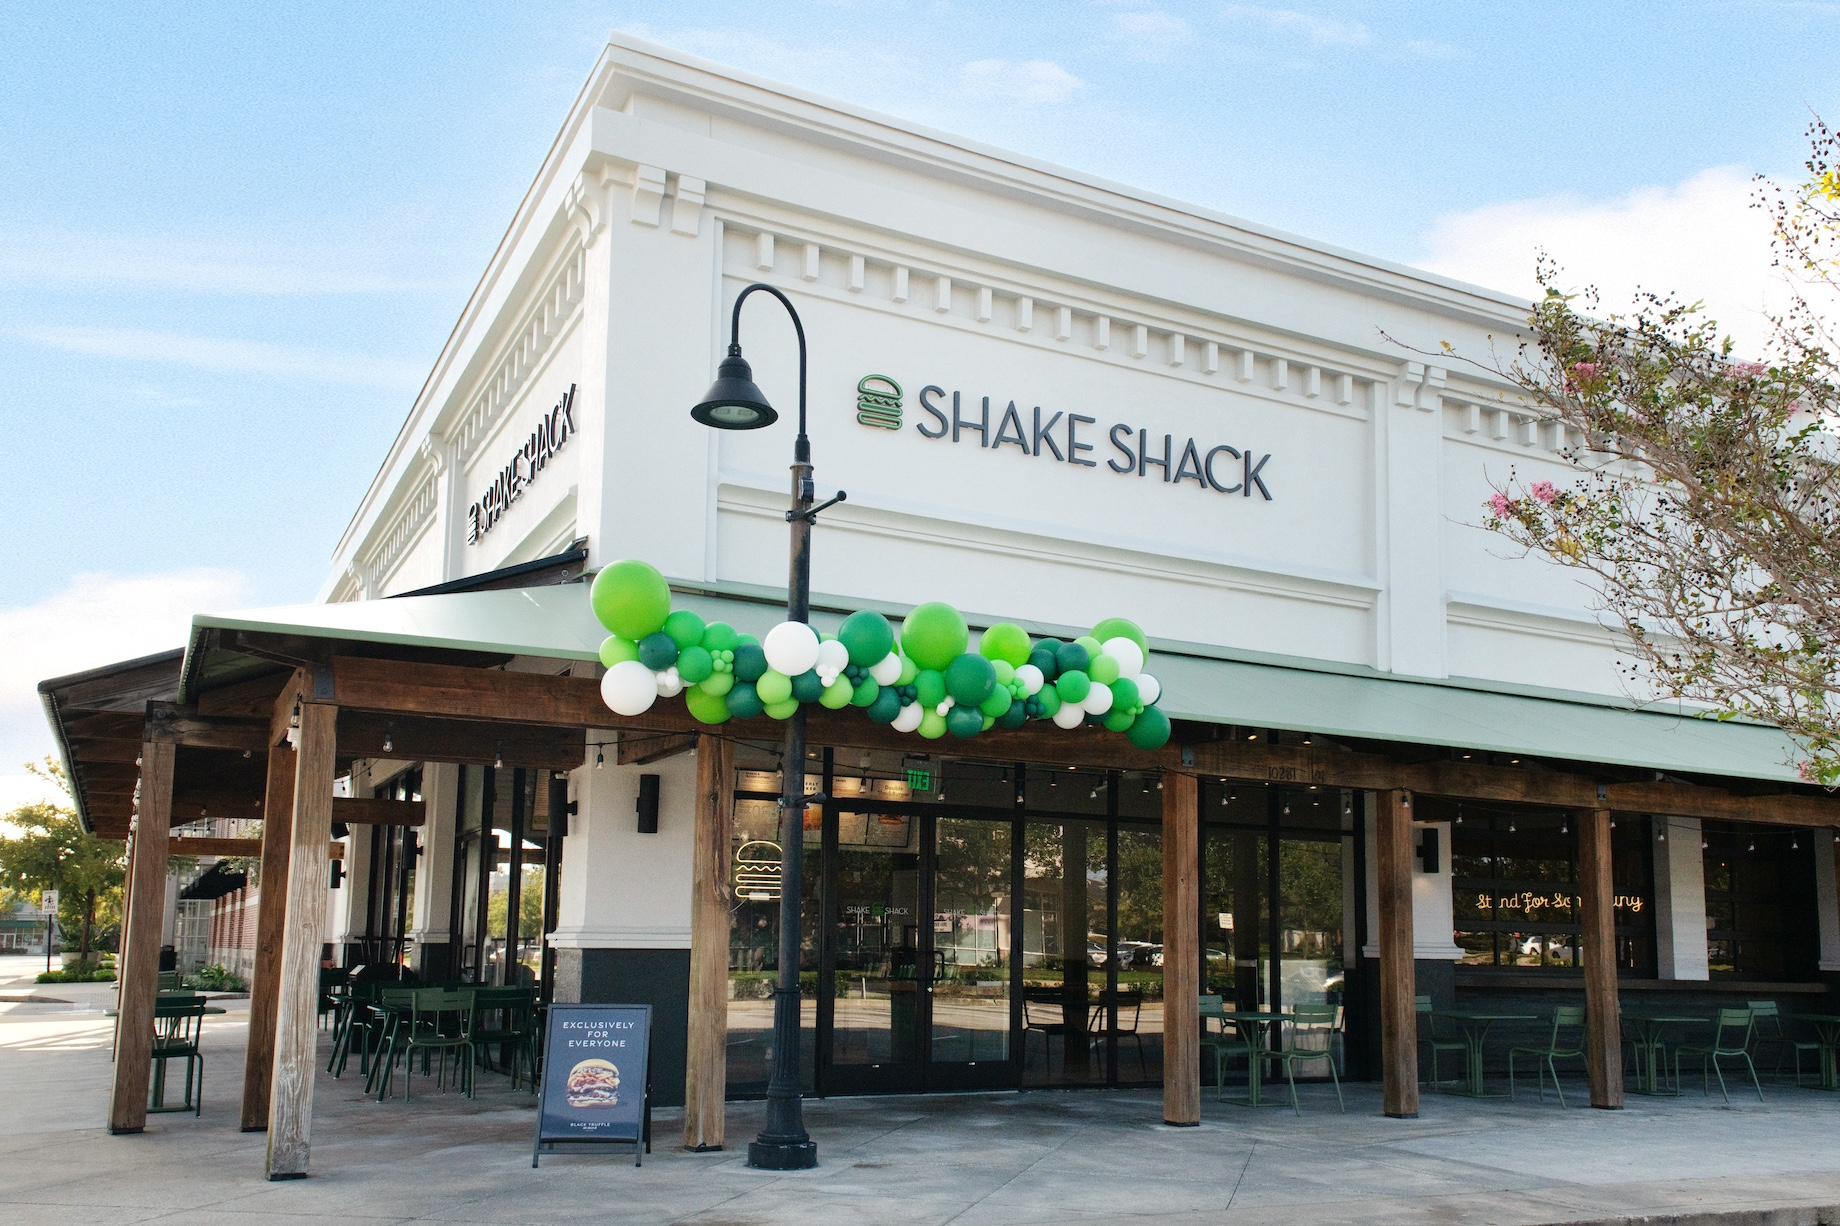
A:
[685, 627]
[1119, 628]
[694, 664]
[706, 707]
[909, 670]
[930, 688]
[1103, 669]
[720, 636]
[1150, 730]
[964, 721]
[616, 650]
[1073, 686]
[935, 634]
[773, 687]
[885, 708]
[782, 710]
[969, 679]
[1005, 671]
[1005, 641]
[744, 700]
[998, 702]
[1118, 719]
[1044, 658]
[866, 692]
[630, 598]
[717, 683]
[932, 725]
[1125, 695]
[837, 694]
[806, 687]
[750, 662]
[867, 636]
[1072, 656]
[658, 651]
[1050, 701]
[1015, 717]
[1090, 643]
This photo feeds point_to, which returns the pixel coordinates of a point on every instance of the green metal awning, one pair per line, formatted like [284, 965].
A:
[1201, 683]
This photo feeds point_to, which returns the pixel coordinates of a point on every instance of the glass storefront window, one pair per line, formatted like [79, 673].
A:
[1760, 910]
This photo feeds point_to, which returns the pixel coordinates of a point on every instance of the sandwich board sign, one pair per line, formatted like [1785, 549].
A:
[596, 1074]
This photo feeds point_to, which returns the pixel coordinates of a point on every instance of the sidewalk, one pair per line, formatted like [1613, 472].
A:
[972, 1160]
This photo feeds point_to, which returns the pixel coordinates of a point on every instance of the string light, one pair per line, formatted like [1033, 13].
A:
[600, 758]
[498, 758]
[389, 739]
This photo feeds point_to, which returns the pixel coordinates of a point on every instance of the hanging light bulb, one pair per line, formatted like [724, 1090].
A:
[1095, 794]
[1794, 843]
[1703, 844]
[1661, 835]
[1287, 810]
[389, 739]
[498, 758]
[1459, 815]
[600, 758]
[1753, 846]
[1510, 825]
[1565, 825]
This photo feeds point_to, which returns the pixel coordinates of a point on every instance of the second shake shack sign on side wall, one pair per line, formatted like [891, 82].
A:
[1067, 437]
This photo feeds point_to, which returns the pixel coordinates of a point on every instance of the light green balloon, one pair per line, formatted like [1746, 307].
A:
[1006, 641]
[1073, 686]
[837, 694]
[774, 687]
[935, 634]
[930, 688]
[1120, 628]
[909, 670]
[932, 725]
[615, 650]
[720, 636]
[997, 703]
[782, 710]
[630, 598]
[1104, 669]
[1090, 643]
[717, 684]
[706, 707]
[1050, 701]
[1118, 719]
[684, 627]
[1006, 672]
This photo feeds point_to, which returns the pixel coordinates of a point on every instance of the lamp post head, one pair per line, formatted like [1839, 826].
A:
[733, 402]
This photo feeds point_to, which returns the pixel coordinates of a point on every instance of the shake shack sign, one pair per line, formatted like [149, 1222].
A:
[510, 481]
[1127, 449]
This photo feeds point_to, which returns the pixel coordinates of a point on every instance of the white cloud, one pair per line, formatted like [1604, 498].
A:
[1152, 32]
[1699, 239]
[236, 356]
[94, 619]
[1330, 33]
[1029, 82]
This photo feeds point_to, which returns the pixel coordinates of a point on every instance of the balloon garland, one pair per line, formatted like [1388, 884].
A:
[925, 679]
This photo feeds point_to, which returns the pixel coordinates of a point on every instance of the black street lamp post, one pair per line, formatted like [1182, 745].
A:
[733, 402]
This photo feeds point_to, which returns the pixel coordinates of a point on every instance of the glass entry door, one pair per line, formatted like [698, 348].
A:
[918, 953]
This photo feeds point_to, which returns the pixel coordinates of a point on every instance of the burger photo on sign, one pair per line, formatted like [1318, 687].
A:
[594, 1083]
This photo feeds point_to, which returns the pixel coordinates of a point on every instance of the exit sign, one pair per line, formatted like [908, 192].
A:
[919, 779]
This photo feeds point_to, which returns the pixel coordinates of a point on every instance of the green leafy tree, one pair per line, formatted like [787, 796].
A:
[52, 852]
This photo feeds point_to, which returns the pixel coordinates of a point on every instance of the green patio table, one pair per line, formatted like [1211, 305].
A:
[1646, 1030]
[1827, 1030]
[1475, 1028]
[1255, 1063]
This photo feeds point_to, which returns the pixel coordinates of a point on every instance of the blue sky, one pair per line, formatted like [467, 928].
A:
[233, 237]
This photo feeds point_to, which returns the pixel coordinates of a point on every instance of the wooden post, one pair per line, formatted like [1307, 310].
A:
[271, 910]
[290, 1110]
[140, 983]
[706, 1073]
[1398, 981]
[1181, 951]
[121, 941]
[1603, 1037]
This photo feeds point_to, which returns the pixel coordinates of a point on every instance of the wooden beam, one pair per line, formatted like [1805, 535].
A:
[413, 738]
[290, 1115]
[168, 721]
[1603, 1035]
[271, 921]
[1181, 951]
[706, 1067]
[1398, 978]
[192, 845]
[643, 749]
[370, 811]
[140, 973]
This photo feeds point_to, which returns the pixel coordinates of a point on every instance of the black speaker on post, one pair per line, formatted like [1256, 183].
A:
[648, 804]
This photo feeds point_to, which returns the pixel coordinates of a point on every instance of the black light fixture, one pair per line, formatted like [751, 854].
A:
[735, 402]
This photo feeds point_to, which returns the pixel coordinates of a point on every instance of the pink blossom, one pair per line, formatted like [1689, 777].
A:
[1544, 491]
[1746, 370]
[1585, 371]
[1805, 768]
[1498, 502]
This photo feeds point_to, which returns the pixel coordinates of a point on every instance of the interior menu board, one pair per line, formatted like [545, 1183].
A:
[595, 1067]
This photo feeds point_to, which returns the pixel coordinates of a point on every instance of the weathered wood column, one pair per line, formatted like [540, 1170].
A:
[1181, 950]
[1603, 1031]
[1398, 980]
[271, 910]
[290, 1111]
[140, 970]
[706, 1071]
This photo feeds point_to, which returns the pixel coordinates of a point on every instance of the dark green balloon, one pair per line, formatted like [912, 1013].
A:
[658, 651]
[744, 701]
[1015, 717]
[886, 707]
[969, 679]
[1072, 656]
[806, 687]
[867, 636]
[750, 663]
[1043, 657]
[964, 721]
[1150, 730]
[867, 691]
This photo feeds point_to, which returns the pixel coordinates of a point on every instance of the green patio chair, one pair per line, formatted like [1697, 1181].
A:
[178, 1024]
[438, 1024]
[1309, 1025]
[1769, 1029]
[1222, 1044]
[1738, 1022]
[381, 1024]
[1565, 1017]
[1435, 1041]
[506, 1019]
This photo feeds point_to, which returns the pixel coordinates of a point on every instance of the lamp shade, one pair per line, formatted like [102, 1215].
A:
[733, 402]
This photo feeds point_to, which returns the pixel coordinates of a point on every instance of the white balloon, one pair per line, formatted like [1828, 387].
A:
[1148, 688]
[826, 676]
[1070, 715]
[629, 688]
[791, 648]
[670, 685]
[833, 656]
[909, 718]
[1129, 655]
[1098, 699]
[946, 704]
[887, 670]
[1031, 679]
